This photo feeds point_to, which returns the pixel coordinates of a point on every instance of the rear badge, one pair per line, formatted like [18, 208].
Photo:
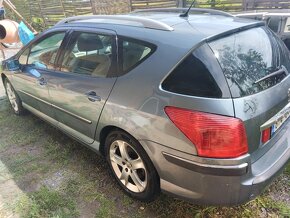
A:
[250, 106]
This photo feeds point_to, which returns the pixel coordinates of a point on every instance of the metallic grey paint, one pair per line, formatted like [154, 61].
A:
[135, 103]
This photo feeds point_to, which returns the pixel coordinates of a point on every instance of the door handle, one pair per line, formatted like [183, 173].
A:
[42, 81]
[92, 96]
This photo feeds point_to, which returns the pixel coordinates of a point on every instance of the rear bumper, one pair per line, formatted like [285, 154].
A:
[215, 181]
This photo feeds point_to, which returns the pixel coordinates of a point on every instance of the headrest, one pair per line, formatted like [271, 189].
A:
[89, 42]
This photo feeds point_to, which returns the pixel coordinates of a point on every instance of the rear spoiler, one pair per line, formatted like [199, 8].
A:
[239, 29]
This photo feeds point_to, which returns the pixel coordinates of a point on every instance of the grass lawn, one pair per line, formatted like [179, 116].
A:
[44, 173]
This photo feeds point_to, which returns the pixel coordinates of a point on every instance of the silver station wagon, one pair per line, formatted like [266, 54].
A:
[195, 105]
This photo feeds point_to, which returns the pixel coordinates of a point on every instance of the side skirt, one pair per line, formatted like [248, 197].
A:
[65, 129]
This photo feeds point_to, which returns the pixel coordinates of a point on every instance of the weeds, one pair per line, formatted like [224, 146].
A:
[47, 203]
[71, 180]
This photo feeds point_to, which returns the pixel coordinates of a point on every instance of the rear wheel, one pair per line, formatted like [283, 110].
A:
[13, 98]
[131, 166]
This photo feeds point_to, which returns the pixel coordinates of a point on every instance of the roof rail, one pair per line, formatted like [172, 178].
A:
[120, 19]
[182, 10]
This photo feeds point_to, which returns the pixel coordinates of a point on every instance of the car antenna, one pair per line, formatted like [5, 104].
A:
[186, 13]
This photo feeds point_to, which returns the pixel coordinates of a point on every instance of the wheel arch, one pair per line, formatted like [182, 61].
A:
[105, 132]
[103, 135]
[109, 128]
[3, 77]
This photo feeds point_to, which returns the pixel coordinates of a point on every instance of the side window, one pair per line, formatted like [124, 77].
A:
[274, 23]
[133, 53]
[43, 53]
[23, 57]
[90, 54]
[287, 26]
[192, 77]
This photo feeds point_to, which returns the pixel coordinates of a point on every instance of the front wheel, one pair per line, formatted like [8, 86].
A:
[13, 98]
[131, 166]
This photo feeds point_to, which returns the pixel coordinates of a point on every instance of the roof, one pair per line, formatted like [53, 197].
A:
[201, 23]
[150, 18]
[204, 21]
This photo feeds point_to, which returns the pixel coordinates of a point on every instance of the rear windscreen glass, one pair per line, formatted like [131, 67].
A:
[248, 57]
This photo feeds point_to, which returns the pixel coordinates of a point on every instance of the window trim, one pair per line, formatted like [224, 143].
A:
[121, 39]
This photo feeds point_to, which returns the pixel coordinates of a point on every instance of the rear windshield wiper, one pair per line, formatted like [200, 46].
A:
[275, 73]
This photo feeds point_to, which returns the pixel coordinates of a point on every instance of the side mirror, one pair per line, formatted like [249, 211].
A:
[12, 65]
[288, 27]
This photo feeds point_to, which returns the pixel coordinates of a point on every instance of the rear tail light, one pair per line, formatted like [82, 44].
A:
[213, 135]
[266, 135]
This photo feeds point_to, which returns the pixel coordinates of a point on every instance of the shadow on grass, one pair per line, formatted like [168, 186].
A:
[61, 178]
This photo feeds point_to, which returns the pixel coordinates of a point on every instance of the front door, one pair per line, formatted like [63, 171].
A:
[37, 61]
[83, 83]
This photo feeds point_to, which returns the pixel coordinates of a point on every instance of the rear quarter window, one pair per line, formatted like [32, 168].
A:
[192, 77]
[248, 56]
[133, 52]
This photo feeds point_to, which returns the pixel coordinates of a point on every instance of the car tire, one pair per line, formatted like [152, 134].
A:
[13, 98]
[131, 166]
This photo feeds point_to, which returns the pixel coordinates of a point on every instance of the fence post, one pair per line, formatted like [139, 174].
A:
[41, 14]
[244, 6]
[130, 5]
[181, 3]
[63, 9]
[93, 7]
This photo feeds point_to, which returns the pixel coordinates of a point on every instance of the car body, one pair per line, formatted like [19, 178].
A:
[277, 19]
[216, 136]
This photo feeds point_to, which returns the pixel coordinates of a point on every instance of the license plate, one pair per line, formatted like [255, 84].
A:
[280, 118]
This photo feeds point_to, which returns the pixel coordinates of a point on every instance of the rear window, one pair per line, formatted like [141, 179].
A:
[248, 56]
[192, 77]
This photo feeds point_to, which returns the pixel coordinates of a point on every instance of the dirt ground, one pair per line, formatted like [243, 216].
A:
[4, 54]
[2, 91]
[44, 173]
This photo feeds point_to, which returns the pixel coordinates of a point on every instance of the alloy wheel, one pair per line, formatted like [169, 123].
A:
[128, 166]
[12, 96]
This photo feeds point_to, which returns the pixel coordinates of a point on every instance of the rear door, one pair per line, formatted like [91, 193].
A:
[82, 84]
[247, 59]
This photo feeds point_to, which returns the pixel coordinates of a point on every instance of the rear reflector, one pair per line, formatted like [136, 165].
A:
[213, 135]
[266, 135]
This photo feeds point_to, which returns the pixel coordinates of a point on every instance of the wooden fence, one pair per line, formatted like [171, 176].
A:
[225, 5]
[265, 4]
[239, 5]
[44, 13]
[143, 4]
